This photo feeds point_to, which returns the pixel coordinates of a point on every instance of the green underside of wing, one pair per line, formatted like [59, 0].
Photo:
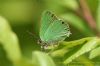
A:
[53, 30]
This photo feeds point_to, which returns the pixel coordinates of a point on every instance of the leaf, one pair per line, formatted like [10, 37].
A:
[42, 59]
[71, 44]
[67, 45]
[9, 41]
[77, 23]
[68, 3]
[98, 16]
[84, 49]
[84, 60]
[94, 53]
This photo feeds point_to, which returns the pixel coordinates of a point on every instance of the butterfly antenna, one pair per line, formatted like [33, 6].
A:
[33, 35]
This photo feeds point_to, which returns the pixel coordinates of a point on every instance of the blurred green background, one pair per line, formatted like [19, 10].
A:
[25, 15]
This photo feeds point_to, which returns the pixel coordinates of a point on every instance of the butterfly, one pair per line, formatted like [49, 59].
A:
[52, 29]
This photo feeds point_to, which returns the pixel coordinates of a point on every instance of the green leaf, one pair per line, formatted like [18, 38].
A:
[42, 59]
[67, 45]
[74, 43]
[9, 41]
[94, 53]
[84, 49]
[68, 3]
[98, 16]
[84, 60]
[77, 23]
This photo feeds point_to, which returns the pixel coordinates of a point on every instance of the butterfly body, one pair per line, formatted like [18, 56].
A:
[53, 30]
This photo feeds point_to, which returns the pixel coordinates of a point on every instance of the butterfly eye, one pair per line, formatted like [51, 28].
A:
[39, 42]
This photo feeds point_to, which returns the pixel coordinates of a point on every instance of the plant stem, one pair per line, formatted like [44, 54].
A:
[87, 14]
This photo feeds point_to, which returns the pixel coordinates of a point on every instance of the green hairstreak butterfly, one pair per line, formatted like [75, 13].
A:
[52, 30]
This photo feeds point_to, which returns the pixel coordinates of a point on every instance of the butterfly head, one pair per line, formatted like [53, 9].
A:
[40, 42]
[43, 44]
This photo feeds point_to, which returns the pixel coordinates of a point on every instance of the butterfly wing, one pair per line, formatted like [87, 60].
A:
[53, 29]
[46, 20]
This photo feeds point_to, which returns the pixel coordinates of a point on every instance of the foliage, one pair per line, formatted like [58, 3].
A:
[81, 48]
